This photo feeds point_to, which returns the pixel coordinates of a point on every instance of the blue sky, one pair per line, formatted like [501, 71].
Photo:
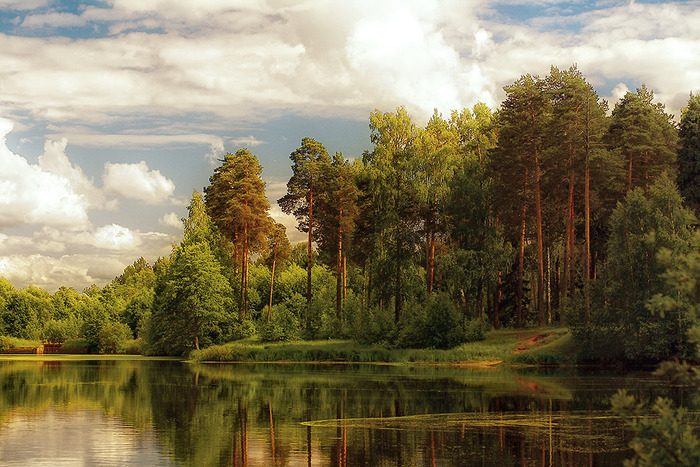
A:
[114, 111]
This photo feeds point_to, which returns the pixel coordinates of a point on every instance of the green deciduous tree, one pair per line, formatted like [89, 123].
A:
[665, 438]
[393, 176]
[622, 325]
[689, 153]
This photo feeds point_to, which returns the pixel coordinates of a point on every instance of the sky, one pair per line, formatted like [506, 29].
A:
[113, 112]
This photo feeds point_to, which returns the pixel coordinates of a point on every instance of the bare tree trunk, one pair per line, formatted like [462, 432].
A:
[431, 247]
[244, 273]
[310, 250]
[272, 283]
[521, 258]
[629, 175]
[339, 275]
[587, 221]
[398, 305]
[540, 242]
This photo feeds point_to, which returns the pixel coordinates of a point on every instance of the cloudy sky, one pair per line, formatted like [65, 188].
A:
[112, 112]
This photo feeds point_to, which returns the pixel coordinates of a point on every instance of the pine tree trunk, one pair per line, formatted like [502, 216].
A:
[540, 252]
[196, 333]
[310, 251]
[587, 215]
[587, 266]
[629, 175]
[339, 275]
[398, 305]
[272, 283]
[521, 257]
[244, 273]
[431, 247]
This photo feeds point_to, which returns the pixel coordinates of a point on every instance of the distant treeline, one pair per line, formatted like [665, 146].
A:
[550, 210]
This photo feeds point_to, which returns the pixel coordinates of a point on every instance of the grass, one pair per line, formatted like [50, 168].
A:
[7, 343]
[537, 346]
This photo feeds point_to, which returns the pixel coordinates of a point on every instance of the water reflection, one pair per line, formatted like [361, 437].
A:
[164, 412]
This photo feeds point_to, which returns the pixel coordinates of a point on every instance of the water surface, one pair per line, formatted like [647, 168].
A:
[141, 412]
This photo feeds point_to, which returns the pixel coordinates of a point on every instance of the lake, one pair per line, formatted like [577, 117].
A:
[125, 411]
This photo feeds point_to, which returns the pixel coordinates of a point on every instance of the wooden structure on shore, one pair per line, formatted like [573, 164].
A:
[51, 344]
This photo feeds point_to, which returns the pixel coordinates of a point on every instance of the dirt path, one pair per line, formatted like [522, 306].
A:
[530, 342]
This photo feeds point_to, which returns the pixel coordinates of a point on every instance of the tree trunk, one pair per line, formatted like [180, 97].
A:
[398, 305]
[310, 251]
[196, 333]
[587, 233]
[272, 283]
[629, 175]
[521, 256]
[568, 243]
[244, 273]
[431, 247]
[540, 253]
[339, 275]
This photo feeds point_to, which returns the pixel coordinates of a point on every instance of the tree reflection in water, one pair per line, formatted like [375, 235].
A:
[322, 414]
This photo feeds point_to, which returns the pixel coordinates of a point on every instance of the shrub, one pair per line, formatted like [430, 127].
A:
[437, 325]
[112, 336]
[132, 347]
[283, 325]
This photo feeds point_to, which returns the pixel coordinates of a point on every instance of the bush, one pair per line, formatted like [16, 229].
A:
[240, 328]
[370, 326]
[7, 342]
[132, 347]
[476, 330]
[62, 329]
[437, 325]
[283, 325]
[113, 336]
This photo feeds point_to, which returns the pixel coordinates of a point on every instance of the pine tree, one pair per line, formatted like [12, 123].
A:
[308, 162]
[236, 202]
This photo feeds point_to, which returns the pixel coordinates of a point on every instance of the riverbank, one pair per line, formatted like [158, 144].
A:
[537, 346]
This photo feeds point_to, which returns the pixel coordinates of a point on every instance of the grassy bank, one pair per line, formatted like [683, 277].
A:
[536, 346]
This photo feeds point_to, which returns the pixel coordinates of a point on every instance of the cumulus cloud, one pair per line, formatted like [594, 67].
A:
[171, 220]
[115, 237]
[136, 181]
[327, 56]
[216, 152]
[51, 257]
[31, 195]
[54, 160]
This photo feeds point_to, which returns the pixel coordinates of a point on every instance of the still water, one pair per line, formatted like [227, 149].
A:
[146, 412]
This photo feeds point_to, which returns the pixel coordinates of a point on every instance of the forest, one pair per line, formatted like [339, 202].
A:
[550, 210]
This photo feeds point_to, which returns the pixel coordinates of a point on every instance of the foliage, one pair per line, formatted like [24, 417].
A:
[436, 325]
[112, 337]
[9, 342]
[283, 326]
[664, 437]
[621, 324]
[689, 153]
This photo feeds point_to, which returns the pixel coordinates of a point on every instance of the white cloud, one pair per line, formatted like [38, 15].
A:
[54, 160]
[330, 57]
[51, 257]
[136, 181]
[115, 237]
[216, 152]
[31, 195]
[53, 20]
[171, 220]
